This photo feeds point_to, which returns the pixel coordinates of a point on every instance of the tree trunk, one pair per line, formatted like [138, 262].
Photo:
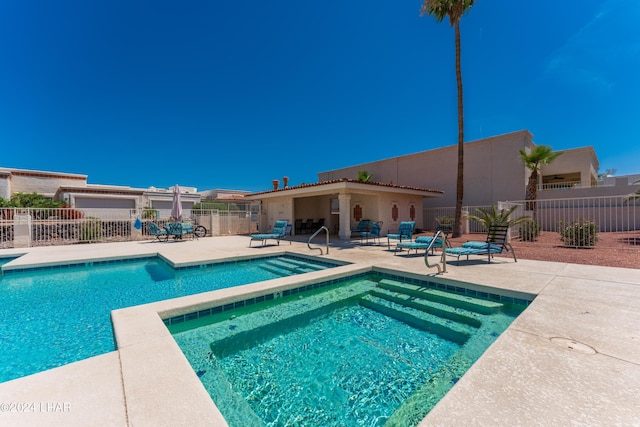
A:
[532, 192]
[457, 229]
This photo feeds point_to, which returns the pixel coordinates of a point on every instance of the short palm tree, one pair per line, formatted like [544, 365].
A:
[533, 160]
[454, 10]
[364, 176]
[491, 215]
[634, 196]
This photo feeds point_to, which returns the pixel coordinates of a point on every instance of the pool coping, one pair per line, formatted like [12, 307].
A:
[142, 328]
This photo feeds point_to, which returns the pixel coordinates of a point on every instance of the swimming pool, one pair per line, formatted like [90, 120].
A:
[53, 316]
[370, 350]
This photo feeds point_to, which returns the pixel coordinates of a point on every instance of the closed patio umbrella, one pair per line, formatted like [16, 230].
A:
[176, 206]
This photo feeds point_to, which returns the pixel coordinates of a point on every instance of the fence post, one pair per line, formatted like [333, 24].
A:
[465, 221]
[21, 230]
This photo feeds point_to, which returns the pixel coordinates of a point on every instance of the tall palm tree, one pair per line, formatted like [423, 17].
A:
[533, 160]
[454, 9]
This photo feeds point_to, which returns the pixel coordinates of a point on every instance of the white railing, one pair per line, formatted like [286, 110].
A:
[24, 227]
[560, 185]
[610, 214]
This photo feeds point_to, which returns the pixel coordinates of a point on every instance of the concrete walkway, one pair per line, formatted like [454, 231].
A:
[572, 357]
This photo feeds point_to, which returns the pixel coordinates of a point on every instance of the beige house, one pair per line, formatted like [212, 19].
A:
[74, 190]
[340, 204]
[493, 171]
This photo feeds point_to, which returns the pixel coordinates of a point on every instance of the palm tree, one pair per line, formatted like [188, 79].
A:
[364, 176]
[490, 215]
[454, 9]
[540, 155]
[633, 196]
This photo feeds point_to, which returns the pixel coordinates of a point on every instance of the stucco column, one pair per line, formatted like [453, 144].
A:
[344, 201]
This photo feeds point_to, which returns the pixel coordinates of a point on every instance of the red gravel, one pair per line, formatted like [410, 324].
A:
[612, 249]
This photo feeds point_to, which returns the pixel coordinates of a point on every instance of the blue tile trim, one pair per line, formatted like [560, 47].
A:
[323, 263]
[82, 264]
[268, 297]
[251, 301]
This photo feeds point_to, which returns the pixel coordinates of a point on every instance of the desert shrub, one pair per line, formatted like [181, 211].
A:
[582, 232]
[91, 230]
[529, 231]
[446, 219]
[149, 213]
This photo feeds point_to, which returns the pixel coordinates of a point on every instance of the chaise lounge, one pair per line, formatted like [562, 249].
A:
[279, 232]
[421, 242]
[496, 243]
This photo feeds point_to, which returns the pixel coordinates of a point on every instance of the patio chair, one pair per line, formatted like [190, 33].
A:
[179, 229]
[279, 233]
[496, 243]
[373, 233]
[160, 234]
[421, 242]
[363, 225]
[405, 232]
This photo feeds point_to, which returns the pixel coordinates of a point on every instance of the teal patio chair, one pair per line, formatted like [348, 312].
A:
[404, 233]
[279, 232]
[160, 234]
[373, 233]
[363, 226]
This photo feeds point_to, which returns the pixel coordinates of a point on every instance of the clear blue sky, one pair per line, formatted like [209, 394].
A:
[230, 94]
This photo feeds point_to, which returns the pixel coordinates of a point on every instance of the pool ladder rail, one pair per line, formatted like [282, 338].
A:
[314, 235]
[443, 259]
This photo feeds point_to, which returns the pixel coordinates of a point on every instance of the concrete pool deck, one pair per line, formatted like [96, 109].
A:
[572, 357]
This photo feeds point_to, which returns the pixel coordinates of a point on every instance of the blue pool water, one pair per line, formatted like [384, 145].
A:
[51, 317]
[372, 350]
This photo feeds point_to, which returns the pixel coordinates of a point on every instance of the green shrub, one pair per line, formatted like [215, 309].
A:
[149, 213]
[529, 231]
[447, 219]
[580, 233]
[91, 230]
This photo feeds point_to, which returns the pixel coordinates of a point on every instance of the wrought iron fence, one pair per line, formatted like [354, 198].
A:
[24, 227]
[578, 221]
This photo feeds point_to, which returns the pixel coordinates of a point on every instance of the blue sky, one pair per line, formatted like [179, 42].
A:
[218, 94]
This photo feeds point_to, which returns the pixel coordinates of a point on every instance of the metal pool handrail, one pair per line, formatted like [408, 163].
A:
[444, 252]
[315, 234]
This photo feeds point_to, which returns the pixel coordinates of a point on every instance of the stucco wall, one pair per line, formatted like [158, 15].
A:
[580, 160]
[620, 188]
[493, 170]
[43, 185]
[5, 186]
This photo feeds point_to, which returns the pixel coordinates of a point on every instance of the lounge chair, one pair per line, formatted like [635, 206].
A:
[159, 233]
[373, 233]
[421, 242]
[279, 232]
[496, 243]
[363, 225]
[179, 229]
[405, 232]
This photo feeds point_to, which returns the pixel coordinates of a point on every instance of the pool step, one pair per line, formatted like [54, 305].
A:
[229, 336]
[476, 305]
[436, 308]
[445, 328]
[289, 267]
